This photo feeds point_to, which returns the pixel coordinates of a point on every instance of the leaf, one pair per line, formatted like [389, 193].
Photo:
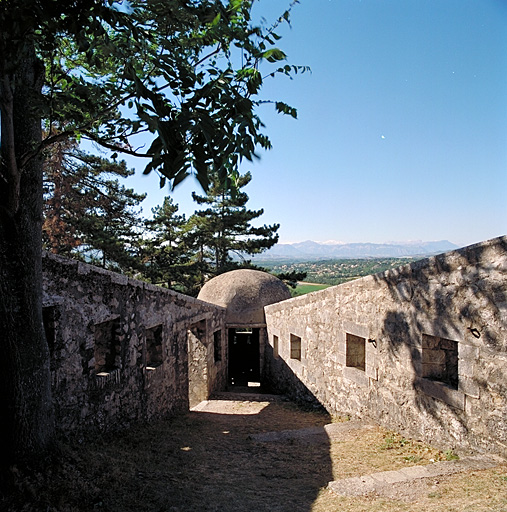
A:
[216, 21]
[274, 55]
[283, 108]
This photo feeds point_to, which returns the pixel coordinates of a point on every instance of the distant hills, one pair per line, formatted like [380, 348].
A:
[310, 251]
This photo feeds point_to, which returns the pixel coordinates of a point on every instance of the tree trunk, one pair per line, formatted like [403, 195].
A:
[26, 418]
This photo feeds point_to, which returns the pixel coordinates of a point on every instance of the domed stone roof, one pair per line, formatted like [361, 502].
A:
[244, 293]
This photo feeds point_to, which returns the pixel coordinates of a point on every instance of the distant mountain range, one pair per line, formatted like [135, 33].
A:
[309, 251]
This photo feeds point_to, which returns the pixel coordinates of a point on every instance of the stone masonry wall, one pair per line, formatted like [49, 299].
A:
[421, 349]
[120, 347]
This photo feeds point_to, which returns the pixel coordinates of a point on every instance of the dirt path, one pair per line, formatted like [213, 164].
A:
[250, 453]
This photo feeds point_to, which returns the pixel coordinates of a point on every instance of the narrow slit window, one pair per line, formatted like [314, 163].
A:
[275, 347]
[217, 346]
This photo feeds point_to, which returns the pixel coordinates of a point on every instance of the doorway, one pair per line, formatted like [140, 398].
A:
[244, 356]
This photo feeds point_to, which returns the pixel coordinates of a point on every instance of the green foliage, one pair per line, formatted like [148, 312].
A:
[185, 71]
[189, 73]
[450, 455]
[88, 214]
[333, 272]
[413, 458]
[392, 441]
[224, 227]
[303, 289]
[291, 278]
[166, 254]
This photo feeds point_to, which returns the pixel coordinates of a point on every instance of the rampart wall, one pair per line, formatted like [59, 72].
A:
[125, 351]
[421, 349]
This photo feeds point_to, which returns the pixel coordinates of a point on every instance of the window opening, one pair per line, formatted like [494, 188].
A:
[154, 356]
[295, 347]
[355, 352]
[440, 360]
[217, 346]
[107, 346]
[275, 346]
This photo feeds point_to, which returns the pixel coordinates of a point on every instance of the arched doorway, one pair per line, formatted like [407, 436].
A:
[244, 356]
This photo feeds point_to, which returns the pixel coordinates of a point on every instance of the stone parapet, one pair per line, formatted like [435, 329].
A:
[422, 348]
[120, 347]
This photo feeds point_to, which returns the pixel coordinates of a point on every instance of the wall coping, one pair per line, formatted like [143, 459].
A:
[402, 270]
[122, 280]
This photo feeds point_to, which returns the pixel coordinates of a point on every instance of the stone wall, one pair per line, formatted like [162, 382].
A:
[421, 349]
[120, 347]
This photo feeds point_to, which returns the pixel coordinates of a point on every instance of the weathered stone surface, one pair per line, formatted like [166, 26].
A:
[458, 296]
[244, 293]
[85, 397]
[382, 483]
[411, 320]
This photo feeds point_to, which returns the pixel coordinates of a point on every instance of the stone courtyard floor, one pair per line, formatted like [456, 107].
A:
[255, 453]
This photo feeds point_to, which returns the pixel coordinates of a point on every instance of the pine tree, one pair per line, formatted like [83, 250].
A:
[87, 212]
[225, 226]
[165, 253]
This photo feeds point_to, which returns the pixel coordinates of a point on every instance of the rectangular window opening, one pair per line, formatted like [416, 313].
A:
[355, 352]
[154, 355]
[107, 349]
[440, 360]
[295, 347]
[217, 345]
[275, 346]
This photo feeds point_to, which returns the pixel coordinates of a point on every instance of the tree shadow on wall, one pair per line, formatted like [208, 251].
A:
[449, 296]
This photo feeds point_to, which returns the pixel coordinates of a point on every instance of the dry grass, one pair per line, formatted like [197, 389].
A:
[479, 491]
[208, 461]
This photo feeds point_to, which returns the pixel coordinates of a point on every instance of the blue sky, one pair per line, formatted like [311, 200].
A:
[402, 124]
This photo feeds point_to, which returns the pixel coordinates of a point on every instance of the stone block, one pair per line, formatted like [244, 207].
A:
[356, 329]
[466, 368]
[468, 352]
[441, 391]
[371, 372]
[414, 472]
[119, 279]
[371, 357]
[389, 477]
[469, 387]
[357, 376]
[341, 359]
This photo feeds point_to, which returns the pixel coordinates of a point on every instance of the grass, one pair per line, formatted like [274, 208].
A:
[304, 288]
[210, 462]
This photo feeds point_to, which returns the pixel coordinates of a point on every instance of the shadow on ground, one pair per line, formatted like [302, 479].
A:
[206, 460]
[219, 466]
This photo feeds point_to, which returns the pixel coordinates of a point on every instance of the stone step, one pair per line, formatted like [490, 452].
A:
[376, 483]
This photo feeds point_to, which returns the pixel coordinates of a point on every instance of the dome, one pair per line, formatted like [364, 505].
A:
[244, 293]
